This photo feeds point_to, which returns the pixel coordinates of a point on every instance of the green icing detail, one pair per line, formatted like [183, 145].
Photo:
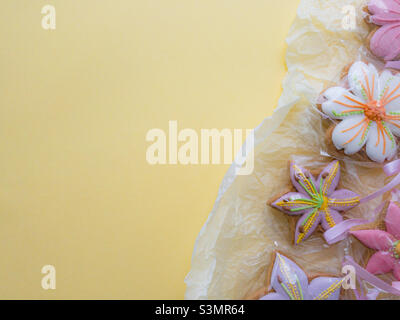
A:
[287, 291]
[302, 208]
[390, 134]
[304, 187]
[361, 87]
[299, 286]
[385, 87]
[309, 216]
[317, 200]
[394, 245]
[347, 113]
[365, 135]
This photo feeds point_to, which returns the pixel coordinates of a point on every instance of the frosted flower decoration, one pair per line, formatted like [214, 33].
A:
[369, 110]
[317, 201]
[387, 244]
[290, 282]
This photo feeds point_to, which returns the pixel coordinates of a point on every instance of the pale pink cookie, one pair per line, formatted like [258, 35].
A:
[386, 242]
[367, 112]
[384, 41]
[316, 200]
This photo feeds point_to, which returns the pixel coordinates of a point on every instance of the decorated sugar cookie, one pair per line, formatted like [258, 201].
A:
[369, 112]
[316, 201]
[290, 282]
[385, 242]
[384, 41]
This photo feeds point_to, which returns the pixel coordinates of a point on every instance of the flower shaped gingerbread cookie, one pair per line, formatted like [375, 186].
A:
[385, 41]
[316, 201]
[369, 112]
[290, 282]
[387, 244]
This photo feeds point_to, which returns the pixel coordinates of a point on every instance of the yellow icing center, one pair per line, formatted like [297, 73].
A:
[324, 204]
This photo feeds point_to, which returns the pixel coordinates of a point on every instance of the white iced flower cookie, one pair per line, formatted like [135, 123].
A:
[369, 110]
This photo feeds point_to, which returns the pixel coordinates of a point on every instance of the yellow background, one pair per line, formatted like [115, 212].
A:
[76, 103]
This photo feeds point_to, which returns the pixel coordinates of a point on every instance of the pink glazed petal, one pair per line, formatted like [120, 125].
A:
[392, 220]
[396, 270]
[381, 262]
[384, 11]
[375, 239]
[385, 42]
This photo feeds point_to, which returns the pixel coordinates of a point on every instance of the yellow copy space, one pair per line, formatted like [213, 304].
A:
[76, 103]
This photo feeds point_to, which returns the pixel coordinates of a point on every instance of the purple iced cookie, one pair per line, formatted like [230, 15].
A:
[290, 282]
[316, 200]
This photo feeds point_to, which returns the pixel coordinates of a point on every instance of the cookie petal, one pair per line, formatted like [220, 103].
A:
[288, 279]
[274, 296]
[329, 178]
[325, 288]
[381, 145]
[351, 134]
[384, 11]
[389, 91]
[302, 179]
[385, 42]
[375, 239]
[293, 202]
[396, 269]
[306, 226]
[394, 126]
[380, 262]
[343, 199]
[363, 81]
[341, 103]
[392, 220]
[330, 218]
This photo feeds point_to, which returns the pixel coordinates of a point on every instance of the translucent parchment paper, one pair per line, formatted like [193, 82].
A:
[233, 250]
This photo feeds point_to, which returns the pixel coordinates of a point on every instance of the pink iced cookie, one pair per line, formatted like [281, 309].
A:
[387, 244]
[385, 42]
